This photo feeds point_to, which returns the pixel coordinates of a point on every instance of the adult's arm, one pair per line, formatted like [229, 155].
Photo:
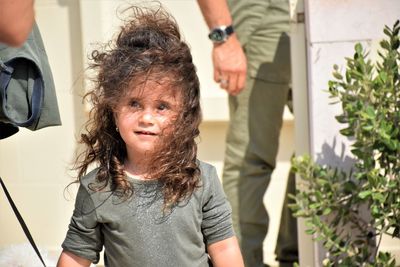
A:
[228, 58]
[68, 259]
[226, 253]
[16, 20]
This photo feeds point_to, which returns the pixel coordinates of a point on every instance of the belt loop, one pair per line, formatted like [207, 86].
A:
[2, 65]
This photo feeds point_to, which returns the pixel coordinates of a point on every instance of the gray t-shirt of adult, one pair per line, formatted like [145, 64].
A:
[136, 232]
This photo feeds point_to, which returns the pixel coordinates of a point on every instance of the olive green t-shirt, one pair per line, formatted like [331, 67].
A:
[137, 232]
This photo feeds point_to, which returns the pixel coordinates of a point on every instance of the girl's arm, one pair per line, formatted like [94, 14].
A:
[226, 253]
[68, 259]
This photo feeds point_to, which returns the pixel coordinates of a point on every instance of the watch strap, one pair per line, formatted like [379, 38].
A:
[221, 33]
[229, 30]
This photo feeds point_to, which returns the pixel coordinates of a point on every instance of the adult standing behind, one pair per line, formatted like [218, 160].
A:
[16, 21]
[251, 57]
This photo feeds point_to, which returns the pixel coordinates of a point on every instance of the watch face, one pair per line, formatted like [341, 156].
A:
[217, 35]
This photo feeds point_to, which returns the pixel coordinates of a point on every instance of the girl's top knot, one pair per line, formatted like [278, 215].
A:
[149, 29]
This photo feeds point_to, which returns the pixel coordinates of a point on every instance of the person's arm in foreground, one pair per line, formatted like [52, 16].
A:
[68, 259]
[228, 58]
[226, 253]
[16, 21]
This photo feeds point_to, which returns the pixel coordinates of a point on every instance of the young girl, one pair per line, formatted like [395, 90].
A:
[149, 201]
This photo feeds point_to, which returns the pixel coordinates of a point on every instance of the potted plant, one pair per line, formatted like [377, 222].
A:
[369, 93]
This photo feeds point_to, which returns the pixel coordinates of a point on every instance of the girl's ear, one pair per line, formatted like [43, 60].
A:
[115, 121]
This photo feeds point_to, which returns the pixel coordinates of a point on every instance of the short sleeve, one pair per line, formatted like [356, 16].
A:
[84, 237]
[217, 222]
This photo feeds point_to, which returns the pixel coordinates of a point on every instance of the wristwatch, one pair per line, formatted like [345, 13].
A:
[221, 33]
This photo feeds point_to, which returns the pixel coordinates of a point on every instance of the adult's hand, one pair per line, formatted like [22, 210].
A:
[230, 65]
[229, 60]
[16, 20]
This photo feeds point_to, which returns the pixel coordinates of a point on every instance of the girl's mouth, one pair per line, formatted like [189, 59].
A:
[145, 133]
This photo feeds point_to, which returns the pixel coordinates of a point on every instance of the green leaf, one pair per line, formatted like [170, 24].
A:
[358, 48]
[337, 75]
[383, 76]
[342, 119]
[315, 206]
[379, 197]
[395, 44]
[368, 128]
[310, 231]
[391, 144]
[322, 181]
[387, 31]
[364, 194]
[383, 134]
[336, 67]
[357, 152]
[300, 213]
[347, 131]
[368, 113]
[385, 44]
[327, 211]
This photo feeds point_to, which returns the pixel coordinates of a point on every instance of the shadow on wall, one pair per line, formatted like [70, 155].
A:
[329, 156]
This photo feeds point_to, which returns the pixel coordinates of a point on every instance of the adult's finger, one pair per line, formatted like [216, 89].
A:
[240, 84]
[217, 74]
[232, 84]
[224, 83]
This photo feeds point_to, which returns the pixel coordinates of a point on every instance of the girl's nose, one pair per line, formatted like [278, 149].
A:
[147, 117]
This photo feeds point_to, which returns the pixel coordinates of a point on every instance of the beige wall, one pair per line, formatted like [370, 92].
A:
[35, 165]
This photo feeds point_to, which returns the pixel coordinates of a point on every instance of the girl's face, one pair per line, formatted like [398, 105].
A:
[146, 115]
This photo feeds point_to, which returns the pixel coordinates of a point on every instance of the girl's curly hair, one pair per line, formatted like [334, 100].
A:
[149, 45]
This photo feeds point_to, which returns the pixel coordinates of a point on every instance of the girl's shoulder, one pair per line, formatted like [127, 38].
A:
[206, 169]
[90, 183]
[210, 190]
[89, 178]
[94, 188]
[208, 174]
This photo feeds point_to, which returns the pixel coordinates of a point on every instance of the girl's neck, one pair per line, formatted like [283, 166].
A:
[138, 170]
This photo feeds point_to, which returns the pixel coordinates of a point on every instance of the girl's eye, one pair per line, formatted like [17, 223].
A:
[163, 106]
[134, 104]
